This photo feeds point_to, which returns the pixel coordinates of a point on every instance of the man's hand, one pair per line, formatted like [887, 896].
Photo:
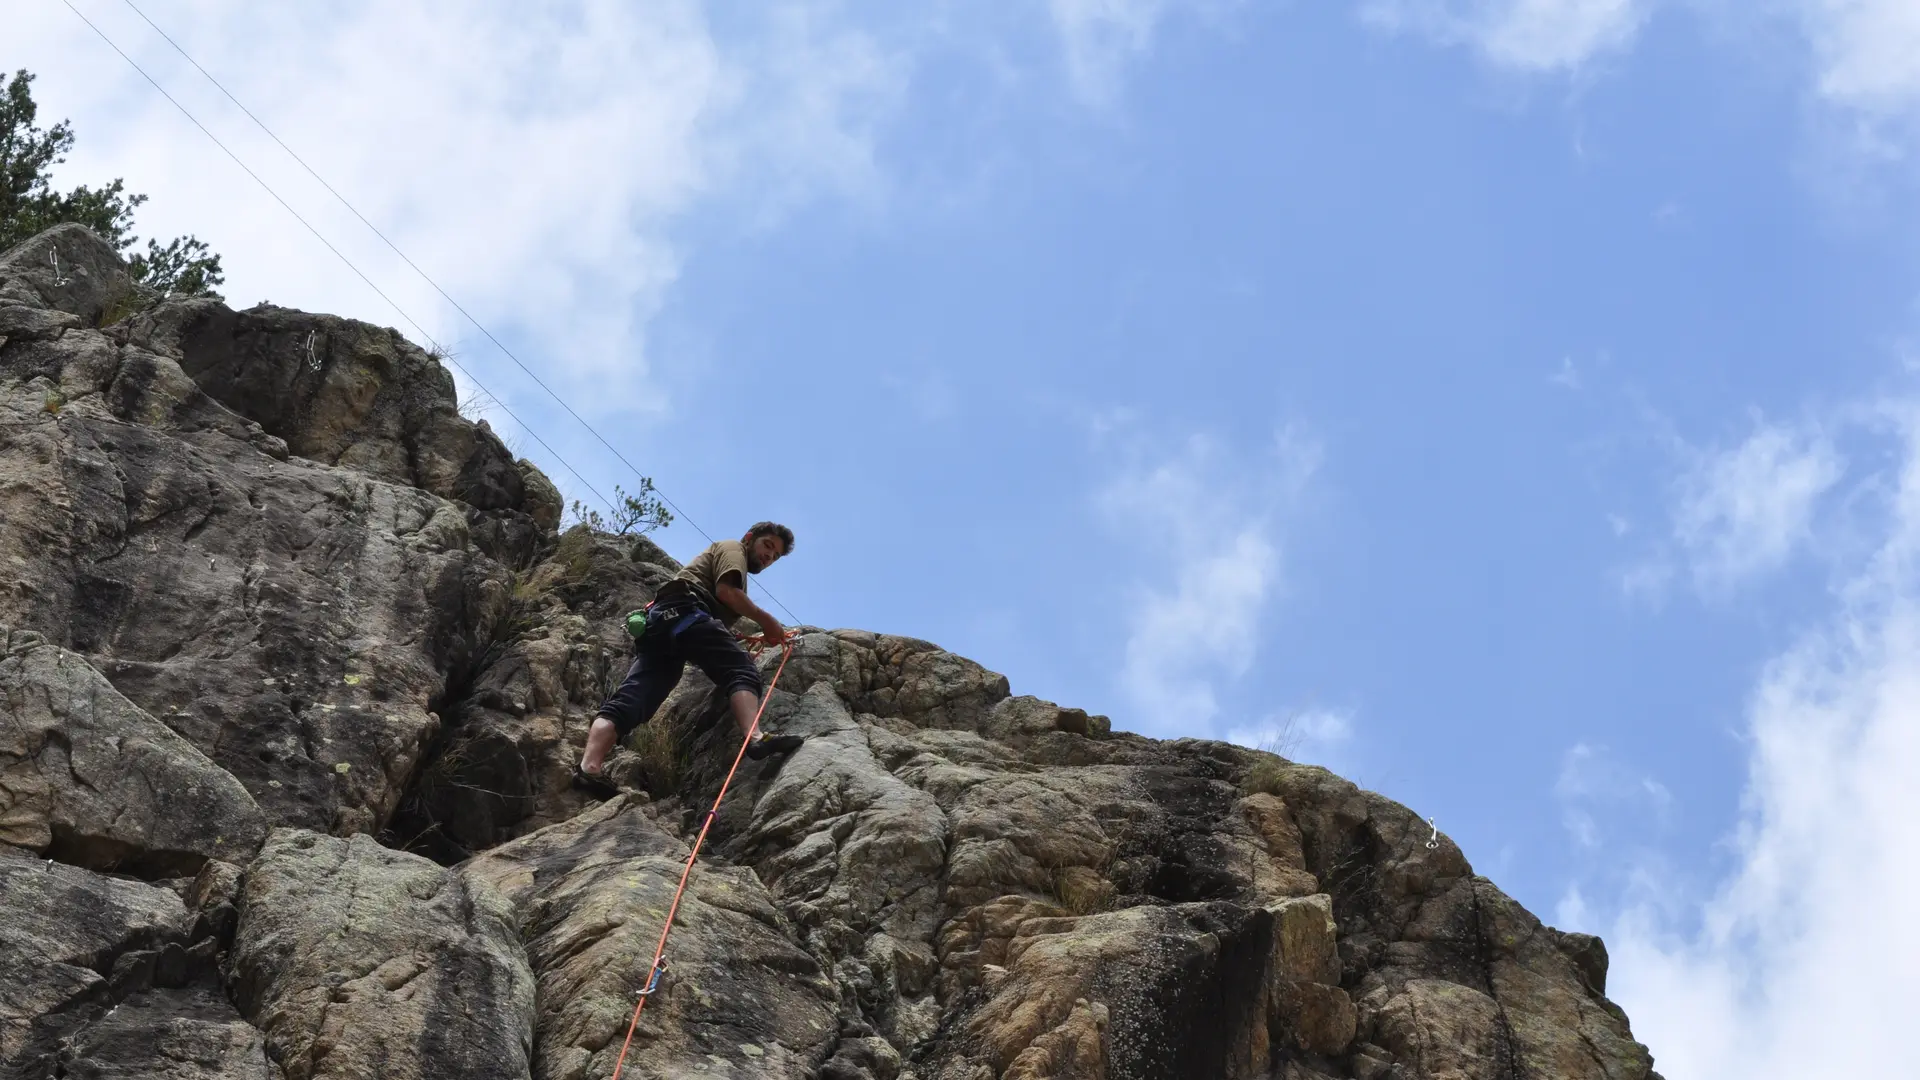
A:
[770, 628]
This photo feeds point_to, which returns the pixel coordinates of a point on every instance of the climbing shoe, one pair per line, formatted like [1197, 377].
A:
[597, 786]
[767, 745]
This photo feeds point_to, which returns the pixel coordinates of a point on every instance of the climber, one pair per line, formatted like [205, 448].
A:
[687, 621]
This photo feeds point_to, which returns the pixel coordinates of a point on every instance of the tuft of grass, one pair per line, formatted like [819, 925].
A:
[574, 554]
[128, 304]
[52, 402]
[1081, 890]
[525, 589]
[1264, 777]
[663, 763]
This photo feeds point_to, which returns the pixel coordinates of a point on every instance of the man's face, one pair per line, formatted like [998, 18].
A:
[763, 551]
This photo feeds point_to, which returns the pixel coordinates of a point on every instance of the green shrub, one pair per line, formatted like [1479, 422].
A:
[663, 763]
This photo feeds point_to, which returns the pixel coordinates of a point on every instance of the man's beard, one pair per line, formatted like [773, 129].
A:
[754, 565]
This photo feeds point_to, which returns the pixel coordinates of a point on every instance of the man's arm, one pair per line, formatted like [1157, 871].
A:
[736, 600]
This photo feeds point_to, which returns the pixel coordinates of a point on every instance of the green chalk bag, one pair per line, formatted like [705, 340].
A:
[637, 623]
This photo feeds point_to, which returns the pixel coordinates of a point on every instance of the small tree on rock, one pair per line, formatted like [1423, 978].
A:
[29, 205]
[640, 513]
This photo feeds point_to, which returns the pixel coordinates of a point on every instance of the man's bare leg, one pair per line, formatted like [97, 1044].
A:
[600, 739]
[745, 704]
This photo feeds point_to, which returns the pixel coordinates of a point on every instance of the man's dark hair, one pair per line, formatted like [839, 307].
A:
[765, 528]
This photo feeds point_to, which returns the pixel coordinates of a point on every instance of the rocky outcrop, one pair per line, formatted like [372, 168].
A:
[256, 572]
[300, 624]
[194, 1035]
[65, 278]
[357, 960]
[87, 777]
[109, 977]
[346, 394]
[590, 894]
[1450, 976]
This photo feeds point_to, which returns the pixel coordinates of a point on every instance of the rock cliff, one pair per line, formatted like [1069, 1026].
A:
[294, 659]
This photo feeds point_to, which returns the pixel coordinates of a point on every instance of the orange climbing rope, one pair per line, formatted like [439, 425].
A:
[660, 951]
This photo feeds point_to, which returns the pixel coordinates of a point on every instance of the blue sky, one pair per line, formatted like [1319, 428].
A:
[1509, 404]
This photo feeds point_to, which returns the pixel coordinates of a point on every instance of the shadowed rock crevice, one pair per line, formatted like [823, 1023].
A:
[98, 966]
[514, 717]
[466, 783]
[1205, 1004]
[261, 603]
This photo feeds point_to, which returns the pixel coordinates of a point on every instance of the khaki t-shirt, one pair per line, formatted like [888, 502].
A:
[705, 572]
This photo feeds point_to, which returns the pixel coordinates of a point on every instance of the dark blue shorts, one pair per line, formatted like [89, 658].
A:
[664, 650]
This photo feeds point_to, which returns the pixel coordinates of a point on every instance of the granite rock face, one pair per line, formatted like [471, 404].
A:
[111, 977]
[87, 777]
[299, 623]
[355, 960]
[741, 995]
[295, 660]
[193, 1035]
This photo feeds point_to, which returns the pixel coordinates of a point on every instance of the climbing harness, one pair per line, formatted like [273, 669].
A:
[53, 256]
[659, 968]
[674, 619]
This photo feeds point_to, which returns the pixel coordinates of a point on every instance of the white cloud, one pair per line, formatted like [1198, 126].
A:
[1805, 962]
[1595, 784]
[1868, 52]
[536, 160]
[1572, 908]
[1742, 512]
[1865, 54]
[1648, 580]
[1527, 35]
[1207, 520]
[1102, 38]
[1802, 960]
[1315, 736]
[1865, 88]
